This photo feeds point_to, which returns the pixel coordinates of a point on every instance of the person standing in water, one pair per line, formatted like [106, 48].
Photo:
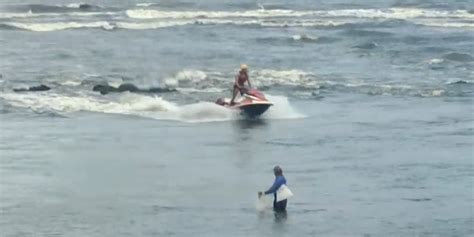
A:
[239, 84]
[279, 181]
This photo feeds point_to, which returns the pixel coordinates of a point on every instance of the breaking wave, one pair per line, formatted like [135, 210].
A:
[143, 11]
[140, 18]
[55, 26]
[460, 82]
[41, 8]
[154, 14]
[297, 82]
[295, 78]
[262, 78]
[391, 13]
[42, 27]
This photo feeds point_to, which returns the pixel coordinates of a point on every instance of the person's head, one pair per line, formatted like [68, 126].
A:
[243, 67]
[277, 170]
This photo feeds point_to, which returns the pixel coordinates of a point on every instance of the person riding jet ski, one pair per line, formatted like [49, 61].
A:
[239, 84]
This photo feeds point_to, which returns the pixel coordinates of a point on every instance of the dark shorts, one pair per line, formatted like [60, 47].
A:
[280, 206]
[239, 90]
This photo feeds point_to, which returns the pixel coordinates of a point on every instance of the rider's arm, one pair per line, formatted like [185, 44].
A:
[276, 185]
[250, 85]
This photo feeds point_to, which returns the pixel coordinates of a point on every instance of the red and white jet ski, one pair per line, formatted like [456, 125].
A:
[252, 103]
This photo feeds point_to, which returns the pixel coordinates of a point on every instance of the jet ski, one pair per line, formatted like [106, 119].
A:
[252, 103]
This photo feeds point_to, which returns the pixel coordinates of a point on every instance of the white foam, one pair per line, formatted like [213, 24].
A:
[171, 82]
[207, 90]
[63, 103]
[270, 77]
[191, 75]
[70, 83]
[25, 15]
[399, 13]
[444, 24]
[74, 5]
[205, 112]
[144, 4]
[300, 23]
[115, 82]
[395, 87]
[290, 18]
[266, 18]
[186, 80]
[127, 104]
[436, 61]
[153, 14]
[42, 27]
[50, 14]
[390, 13]
[281, 109]
[304, 37]
[437, 92]
[144, 106]
[151, 25]
[264, 23]
[55, 26]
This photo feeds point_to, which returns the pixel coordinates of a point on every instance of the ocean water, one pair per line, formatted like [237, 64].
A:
[372, 120]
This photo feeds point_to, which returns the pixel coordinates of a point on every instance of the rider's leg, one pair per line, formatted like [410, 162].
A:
[234, 94]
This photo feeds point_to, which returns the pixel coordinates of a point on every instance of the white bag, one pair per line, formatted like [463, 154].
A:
[262, 203]
[283, 193]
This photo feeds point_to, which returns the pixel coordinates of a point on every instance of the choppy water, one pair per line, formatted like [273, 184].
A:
[372, 123]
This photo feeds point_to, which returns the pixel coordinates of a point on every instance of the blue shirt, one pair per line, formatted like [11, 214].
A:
[279, 181]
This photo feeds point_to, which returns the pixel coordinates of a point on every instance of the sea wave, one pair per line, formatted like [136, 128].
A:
[460, 82]
[291, 82]
[145, 4]
[262, 78]
[153, 19]
[55, 26]
[400, 13]
[445, 23]
[42, 27]
[271, 77]
[301, 83]
[153, 14]
[143, 11]
[426, 17]
[44, 8]
[391, 13]
[9, 15]
[265, 18]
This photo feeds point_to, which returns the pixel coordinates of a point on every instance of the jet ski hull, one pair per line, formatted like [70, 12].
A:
[252, 104]
[254, 110]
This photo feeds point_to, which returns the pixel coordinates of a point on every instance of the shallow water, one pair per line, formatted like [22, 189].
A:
[372, 122]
